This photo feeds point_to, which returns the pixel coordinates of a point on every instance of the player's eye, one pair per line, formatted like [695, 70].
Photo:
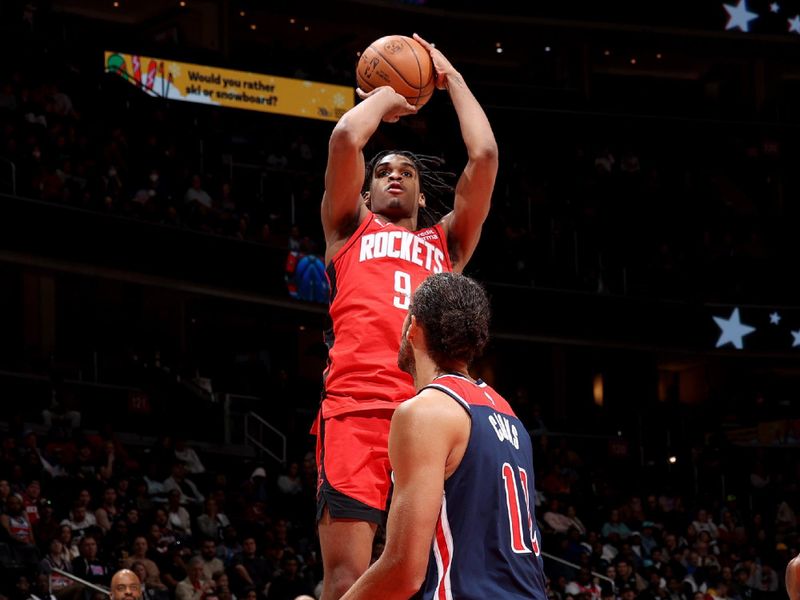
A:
[383, 173]
[408, 173]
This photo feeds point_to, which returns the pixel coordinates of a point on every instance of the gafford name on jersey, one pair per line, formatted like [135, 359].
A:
[403, 245]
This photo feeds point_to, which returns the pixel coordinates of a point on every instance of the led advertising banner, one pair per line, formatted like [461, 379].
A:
[235, 89]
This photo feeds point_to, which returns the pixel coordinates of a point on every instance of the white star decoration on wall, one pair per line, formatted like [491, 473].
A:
[739, 17]
[772, 337]
[769, 17]
[733, 330]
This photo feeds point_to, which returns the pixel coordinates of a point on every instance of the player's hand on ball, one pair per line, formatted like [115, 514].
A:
[441, 66]
[400, 108]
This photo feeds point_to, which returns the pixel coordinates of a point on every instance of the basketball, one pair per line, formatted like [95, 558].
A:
[400, 62]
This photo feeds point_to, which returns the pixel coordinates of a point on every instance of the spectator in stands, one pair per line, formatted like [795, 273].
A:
[79, 519]
[627, 577]
[249, 569]
[703, 522]
[159, 592]
[18, 530]
[584, 584]
[222, 586]
[5, 494]
[195, 586]
[48, 526]
[554, 518]
[140, 554]
[211, 563]
[89, 565]
[31, 498]
[107, 512]
[614, 525]
[178, 517]
[55, 558]
[289, 582]
[41, 588]
[189, 494]
[69, 545]
[230, 547]
[188, 456]
[212, 523]
[290, 483]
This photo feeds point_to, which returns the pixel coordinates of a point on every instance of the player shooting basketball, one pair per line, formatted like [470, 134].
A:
[376, 257]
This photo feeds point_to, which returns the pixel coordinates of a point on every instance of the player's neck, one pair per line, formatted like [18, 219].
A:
[427, 371]
[409, 223]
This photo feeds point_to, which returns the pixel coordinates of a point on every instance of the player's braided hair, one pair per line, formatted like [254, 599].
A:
[453, 311]
[432, 182]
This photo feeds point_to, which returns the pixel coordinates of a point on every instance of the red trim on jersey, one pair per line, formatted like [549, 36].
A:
[493, 401]
[443, 552]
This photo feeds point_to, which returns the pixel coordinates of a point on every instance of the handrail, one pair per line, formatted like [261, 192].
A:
[258, 441]
[13, 174]
[97, 588]
[578, 568]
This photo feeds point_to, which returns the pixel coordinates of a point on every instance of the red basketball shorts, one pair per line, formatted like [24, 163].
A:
[353, 464]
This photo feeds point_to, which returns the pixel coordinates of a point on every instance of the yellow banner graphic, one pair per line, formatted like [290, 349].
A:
[235, 89]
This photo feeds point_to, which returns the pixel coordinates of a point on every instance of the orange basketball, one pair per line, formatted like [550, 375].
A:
[400, 62]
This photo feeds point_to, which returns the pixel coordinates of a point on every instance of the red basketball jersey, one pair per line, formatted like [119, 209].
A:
[371, 280]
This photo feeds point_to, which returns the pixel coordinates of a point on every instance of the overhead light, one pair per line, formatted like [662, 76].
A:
[292, 20]
[116, 4]
[547, 48]
[182, 3]
[499, 50]
[242, 13]
[633, 61]
[672, 459]
[305, 28]
[253, 26]
[597, 389]
[658, 56]
[606, 52]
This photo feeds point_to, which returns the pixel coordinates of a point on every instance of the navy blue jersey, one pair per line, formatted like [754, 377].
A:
[487, 541]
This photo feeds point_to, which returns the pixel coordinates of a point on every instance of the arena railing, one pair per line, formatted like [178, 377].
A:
[577, 567]
[97, 588]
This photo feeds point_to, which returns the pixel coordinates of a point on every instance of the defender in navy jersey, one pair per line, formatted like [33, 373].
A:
[461, 523]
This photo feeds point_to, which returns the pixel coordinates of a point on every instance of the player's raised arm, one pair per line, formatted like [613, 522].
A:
[473, 192]
[344, 175]
[425, 431]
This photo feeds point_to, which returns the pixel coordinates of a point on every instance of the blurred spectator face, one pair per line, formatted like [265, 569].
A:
[290, 567]
[5, 489]
[14, 506]
[79, 513]
[209, 549]
[628, 594]
[623, 569]
[66, 535]
[211, 506]
[133, 516]
[109, 496]
[89, 548]
[161, 518]
[249, 546]
[140, 546]
[611, 572]
[33, 490]
[85, 498]
[195, 572]
[702, 516]
[140, 571]
[56, 547]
